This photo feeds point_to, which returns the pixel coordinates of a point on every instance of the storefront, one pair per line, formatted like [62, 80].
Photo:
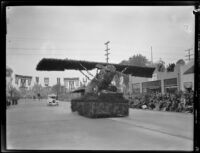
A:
[151, 86]
[170, 85]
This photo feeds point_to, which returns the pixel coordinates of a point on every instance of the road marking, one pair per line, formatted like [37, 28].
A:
[129, 121]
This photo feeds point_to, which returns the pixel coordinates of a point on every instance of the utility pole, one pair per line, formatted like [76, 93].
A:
[189, 54]
[151, 56]
[107, 49]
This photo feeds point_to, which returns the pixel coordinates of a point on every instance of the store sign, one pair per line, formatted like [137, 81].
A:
[151, 84]
[187, 84]
[170, 82]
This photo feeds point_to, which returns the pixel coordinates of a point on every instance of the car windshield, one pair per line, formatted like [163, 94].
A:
[53, 97]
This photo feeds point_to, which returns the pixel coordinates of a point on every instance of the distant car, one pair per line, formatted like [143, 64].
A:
[52, 100]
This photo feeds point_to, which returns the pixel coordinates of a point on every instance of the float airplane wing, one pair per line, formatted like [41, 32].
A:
[52, 64]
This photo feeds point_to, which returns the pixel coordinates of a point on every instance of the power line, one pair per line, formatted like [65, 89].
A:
[30, 54]
[63, 49]
[151, 56]
[47, 39]
[33, 48]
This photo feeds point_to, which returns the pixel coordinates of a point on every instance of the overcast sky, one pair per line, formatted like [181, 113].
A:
[79, 32]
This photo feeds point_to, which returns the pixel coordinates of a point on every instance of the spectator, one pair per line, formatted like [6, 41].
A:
[178, 102]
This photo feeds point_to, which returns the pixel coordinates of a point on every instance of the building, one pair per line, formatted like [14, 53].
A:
[71, 83]
[187, 79]
[181, 79]
[9, 79]
[135, 84]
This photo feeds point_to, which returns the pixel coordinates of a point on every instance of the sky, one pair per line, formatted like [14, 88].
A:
[80, 33]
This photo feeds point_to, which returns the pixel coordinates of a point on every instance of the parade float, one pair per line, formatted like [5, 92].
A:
[99, 98]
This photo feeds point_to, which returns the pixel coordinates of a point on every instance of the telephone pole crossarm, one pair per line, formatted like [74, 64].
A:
[189, 54]
[107, 49]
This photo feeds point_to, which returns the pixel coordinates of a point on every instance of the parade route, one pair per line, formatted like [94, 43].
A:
[32, 125]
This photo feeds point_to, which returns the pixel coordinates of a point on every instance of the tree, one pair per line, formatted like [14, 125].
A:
[170, 67]
[56, 89]
[15, 93]
[180, 61]
[9, 71]
[135, 60]
[160, 66]
[36, 88]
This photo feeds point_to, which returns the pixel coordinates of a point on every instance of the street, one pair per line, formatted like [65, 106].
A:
[32, 125]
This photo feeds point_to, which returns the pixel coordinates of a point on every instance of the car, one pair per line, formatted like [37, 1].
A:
[52, 100]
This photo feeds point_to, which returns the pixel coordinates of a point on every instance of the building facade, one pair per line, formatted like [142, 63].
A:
[71, 83]
[9, 79]
[165, 82]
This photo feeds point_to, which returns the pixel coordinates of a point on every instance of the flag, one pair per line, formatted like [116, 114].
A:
[23, 82]
[46, 81]
[29, 80]
[16, 79]
[37, 80]
[58, 80]
[65, 82]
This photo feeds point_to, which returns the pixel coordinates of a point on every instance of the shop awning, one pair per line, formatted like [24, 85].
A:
[190, 70]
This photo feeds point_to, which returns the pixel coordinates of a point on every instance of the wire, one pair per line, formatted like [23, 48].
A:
[49, 39]
[63, 49]
[34, 54]
[34, 48]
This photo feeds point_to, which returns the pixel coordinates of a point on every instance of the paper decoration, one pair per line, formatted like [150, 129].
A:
[46, 81]
[29, 80]
[16, 79]
[23, 82]
[58, 80]
[37, 80]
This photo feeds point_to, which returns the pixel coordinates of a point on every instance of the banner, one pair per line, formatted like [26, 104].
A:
[46, 81]
[58, 80]
[23, 82]
[16, 79]
[37, 80]
[29, 80]
[65, 82]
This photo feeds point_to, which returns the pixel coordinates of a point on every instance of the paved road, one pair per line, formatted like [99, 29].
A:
[33, 125]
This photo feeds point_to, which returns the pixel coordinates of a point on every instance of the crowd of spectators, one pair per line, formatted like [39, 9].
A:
[178, 102]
